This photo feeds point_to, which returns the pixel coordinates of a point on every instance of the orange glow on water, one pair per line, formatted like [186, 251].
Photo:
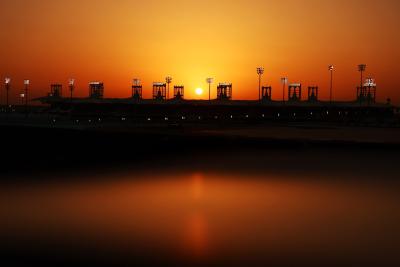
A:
[206, 217]
[114, 41]
[195, 235]
[195, 240]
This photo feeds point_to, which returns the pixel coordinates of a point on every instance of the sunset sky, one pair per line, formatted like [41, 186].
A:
[116, 40]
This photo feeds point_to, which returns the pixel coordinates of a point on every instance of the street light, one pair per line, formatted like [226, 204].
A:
[168, 80]
[71, 84]
[260, 72]
[284, 81]
[22, 96]
[331, 68]
[209, 81]
[7, 82]
[26, 83]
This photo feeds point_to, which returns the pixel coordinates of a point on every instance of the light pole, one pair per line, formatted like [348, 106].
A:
[209, 81]
[7, 82]
[26, 83]
[168, 79]
[284, 81]
[361, 69]
[22, 96]
[260, 72]
[331, 68]
[71, 84]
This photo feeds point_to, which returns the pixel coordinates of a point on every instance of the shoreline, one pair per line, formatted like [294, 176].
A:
[29, 149]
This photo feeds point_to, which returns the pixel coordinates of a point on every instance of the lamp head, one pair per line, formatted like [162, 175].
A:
[168, 79]
[284, 80]
[26, 82]
[225, 84]
[362, 67]
[136, 82]
[295, 85]
[71, 82]
[210, 80]
[370, 82]
[331, 67]
[7, 80]
[260, 70]
[95, 83]
[158, 84]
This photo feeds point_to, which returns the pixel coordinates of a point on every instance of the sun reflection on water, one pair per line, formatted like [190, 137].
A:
[200, 216]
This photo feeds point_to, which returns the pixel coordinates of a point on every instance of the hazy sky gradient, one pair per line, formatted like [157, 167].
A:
[116, 40]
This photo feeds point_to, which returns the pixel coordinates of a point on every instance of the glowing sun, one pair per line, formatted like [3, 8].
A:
[199, 91]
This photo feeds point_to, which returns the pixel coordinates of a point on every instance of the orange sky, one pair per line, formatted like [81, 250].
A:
[116, 40]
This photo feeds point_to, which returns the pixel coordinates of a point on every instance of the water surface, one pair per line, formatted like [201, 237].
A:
[202, 217]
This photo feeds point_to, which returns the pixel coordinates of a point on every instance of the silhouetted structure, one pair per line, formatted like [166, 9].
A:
[361, 69]
[179, 91]
[260, 72]
[295, 92]
[137, 90]
[25, 95]
[159, 91]
[266, 93]
[224, 91]
[55, 90]
[367, 93]
[96, 90]
[331, 69]
[284, 81]
[168, 80]
[313, 92]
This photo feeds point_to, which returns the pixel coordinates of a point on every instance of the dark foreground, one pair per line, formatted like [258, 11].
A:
[177, 197]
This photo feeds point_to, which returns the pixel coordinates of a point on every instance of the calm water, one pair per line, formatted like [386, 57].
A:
[199, 218]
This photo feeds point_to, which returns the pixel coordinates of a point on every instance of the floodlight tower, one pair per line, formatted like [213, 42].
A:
[361, 69]
[168, 80]
[260, 72]
[7, 82]
[26, 83]
[284, 81]
[331, 69]
[71, 84]
[136, 89]
[209, 81]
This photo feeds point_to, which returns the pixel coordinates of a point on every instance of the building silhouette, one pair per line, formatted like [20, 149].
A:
[96, 90]
[266, 93]
[179, 92]
[313, 92]
[367, 93]
[55, 90]
[224, 91]
[294, 92]
[137, 91]
[159, 91]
